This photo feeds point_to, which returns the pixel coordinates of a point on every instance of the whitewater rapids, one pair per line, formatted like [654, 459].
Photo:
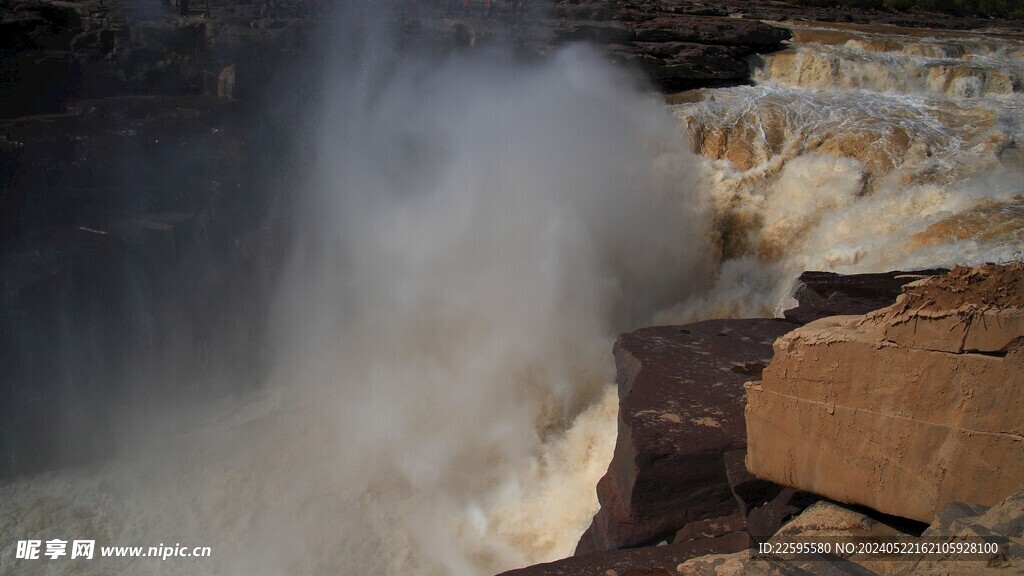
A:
[860, 151]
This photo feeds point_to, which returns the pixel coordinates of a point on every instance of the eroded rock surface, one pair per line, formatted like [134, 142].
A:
[823, 294]
[680, 414]
[905, 409]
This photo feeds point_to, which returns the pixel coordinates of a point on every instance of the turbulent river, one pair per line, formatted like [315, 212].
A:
[863, 150]
[441, 400]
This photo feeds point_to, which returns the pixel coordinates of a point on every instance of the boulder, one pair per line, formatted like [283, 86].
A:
[1002, 524]
[827, 522]
[903, 410]
[680, 413]
[822, 522]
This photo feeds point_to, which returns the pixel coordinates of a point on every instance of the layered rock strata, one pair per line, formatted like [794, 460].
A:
[677, 47]
[903, 410]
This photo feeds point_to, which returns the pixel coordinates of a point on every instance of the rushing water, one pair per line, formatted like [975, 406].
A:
[860, 151]
[440, 403]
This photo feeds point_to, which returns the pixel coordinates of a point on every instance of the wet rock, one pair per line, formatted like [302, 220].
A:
[905, 409]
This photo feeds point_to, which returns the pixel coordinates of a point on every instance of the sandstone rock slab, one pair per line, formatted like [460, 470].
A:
[863, 410]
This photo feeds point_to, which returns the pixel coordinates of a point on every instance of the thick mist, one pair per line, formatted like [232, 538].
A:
[478, 232]
[469, 234]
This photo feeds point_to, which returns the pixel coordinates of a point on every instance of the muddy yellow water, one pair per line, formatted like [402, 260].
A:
[865, 148]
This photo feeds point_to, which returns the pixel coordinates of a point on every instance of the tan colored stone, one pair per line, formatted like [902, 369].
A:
[968, 310]
[958, 522]
[867, 410]
[1003, 523]
[738, 564]
[827, 519]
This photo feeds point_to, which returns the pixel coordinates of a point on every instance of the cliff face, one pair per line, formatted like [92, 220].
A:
[680, 415]
[903, 410]
[678, 473]
[135, 169]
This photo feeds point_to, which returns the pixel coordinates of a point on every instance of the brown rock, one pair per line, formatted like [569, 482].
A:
[680, 394]
[971, 310]
[742, 564]
[712, 527]
[765, 505]
[822, 522]
[823, 294]
[865, 410]
[676, 47]
[958, 522]
[670, 473]
[828, 519]
[1002, 524]
[650, 560]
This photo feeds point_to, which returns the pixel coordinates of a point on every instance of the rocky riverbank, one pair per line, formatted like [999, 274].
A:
[910, 409]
